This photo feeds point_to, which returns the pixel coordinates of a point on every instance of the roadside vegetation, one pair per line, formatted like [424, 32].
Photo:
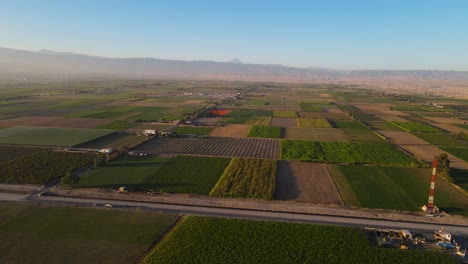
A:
[218, 240]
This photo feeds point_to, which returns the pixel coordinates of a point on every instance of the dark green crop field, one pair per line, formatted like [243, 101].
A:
[187, 174]
[217, 240]
[397, 188]
[48, 136]
[77, 235]
[264, 131]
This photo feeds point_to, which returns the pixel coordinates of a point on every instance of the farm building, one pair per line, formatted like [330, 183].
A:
[149, 132]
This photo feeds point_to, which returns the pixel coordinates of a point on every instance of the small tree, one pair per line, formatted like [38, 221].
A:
[443, 165]
[69, 179]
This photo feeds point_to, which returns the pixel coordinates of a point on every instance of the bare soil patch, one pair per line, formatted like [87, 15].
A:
[235, 131]
[306, 182]
[283, 122]
[42, 121]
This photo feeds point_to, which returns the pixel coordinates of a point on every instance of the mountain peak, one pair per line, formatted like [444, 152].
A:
[235, 60]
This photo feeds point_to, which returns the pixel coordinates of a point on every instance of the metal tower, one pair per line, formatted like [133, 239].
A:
[430, 208]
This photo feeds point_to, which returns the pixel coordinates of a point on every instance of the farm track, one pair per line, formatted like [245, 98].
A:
[214, 146]
[306, 182]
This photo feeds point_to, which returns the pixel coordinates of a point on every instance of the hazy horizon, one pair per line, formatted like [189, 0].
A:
[339, 35]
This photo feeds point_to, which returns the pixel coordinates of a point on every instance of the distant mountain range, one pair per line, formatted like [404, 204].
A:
[47, 63]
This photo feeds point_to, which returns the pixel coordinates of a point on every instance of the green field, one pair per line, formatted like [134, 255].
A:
[114, 141]
[127, 171]
[76, 235]
[380, 125]
[417, 127]
[443, 139]
[42, 167]
[217, 240]
[117, 125]
[459, 178]
[48, 136]
[247, 116]
[462, 153]
[347, 124]
[192, 130]
[308, 107]
[8, 209]
[354, 153]
[363, 135]
[396, 188]
[186, 174]
[264, 131]
[285, 114]
[249, 178]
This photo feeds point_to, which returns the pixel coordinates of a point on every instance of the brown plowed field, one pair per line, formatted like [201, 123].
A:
[214, 146]
[306, 182]
[283, 122]
[53, 122]
[445, 120]
[235, 131]
[324, 115]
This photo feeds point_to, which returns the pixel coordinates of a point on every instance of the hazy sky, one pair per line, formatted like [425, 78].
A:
[349, 34]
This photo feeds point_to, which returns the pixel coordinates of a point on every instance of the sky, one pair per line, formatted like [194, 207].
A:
[374, 34]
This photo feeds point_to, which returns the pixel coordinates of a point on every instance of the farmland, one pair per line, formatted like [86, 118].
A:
[308, 107]
[214, 146]
[49, 136]
[42, 167]
[311, 122]
[11, 153]
[347, 124]
[381, 154]
[306, 182]
[125, 171]
[285, 114]
[315, 134]
[192, 130]
[117, 125]
[192, 175]
[65, 235]
[462, 153]
[264, 131]
[216, 240]
[231, 130]
[283, 122]
[398, 188]
[416, 127]
[444, 139]
[248, 178]
[114, 141]
[43, 121]
[363, 135]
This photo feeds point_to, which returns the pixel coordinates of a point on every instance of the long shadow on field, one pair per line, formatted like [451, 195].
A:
[286, 185]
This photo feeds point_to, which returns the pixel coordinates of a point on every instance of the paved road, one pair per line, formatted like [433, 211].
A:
[232, 213]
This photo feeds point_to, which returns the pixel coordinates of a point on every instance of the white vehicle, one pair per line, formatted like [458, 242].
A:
[107, 205]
